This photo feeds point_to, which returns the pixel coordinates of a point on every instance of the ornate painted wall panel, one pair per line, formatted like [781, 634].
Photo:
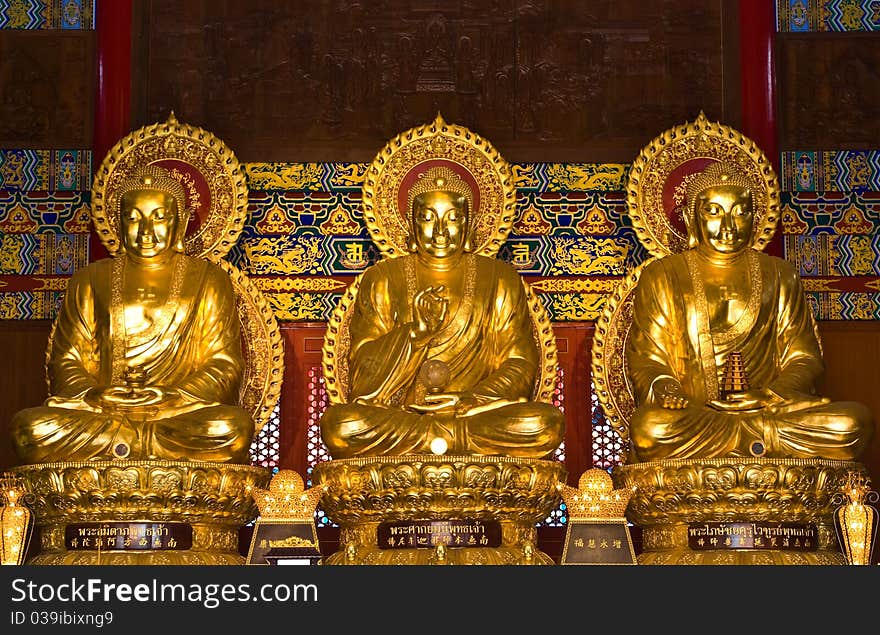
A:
[303, 246]
[318, 80]
[829, 123]
[571, 239]
[827, 15]
[46, 112]
[47, 14]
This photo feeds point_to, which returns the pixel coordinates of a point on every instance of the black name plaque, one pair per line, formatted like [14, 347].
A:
[753, 535]
[123, 536]
[426, 534]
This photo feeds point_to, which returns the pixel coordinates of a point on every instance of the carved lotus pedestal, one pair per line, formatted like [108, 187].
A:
[737, 510]
[426, 509]
[140, 512]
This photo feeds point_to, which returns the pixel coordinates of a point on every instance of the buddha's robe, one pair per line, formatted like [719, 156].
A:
[781, 351]
[488, 346]
[191, 345]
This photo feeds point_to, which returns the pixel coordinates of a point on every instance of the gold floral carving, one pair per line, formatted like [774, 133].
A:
[700, 139]
[575, 285]
[319, 284]
[730, 489]
[214, 498]
[283, 176]
[439, 487]
[672, 494]
[337, 341]
[360, 493]
[339, 222]
[221, 223]
[388, 224]
[262, 348]
[610, 376]
[297, 306]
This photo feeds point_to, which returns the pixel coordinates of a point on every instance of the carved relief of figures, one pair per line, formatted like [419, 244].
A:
[328, 80]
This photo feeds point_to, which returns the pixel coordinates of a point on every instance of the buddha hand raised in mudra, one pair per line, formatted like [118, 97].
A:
[145, 360]
[722, 301]
[441, 312]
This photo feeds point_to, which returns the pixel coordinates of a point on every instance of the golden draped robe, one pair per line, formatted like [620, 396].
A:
[670, 336]
[193, 347]
[488, 346]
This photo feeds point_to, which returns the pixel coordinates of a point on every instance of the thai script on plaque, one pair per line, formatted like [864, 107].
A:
[753, 535]
[417, 534]
[127, 536]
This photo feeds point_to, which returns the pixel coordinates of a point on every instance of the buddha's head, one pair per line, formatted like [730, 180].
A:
[152, 213]
[440, 205]
[720, 207]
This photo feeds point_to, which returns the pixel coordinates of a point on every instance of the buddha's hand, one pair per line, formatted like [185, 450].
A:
[130, 397]
[669, 394]
[439, 403]
[429, 311]
[755, 399]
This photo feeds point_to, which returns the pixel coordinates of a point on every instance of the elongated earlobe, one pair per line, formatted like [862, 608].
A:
[468, 244]
[411, 243]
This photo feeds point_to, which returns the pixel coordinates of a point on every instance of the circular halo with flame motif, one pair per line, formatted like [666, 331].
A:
[207, 168]
[658, 179]
[417, 149]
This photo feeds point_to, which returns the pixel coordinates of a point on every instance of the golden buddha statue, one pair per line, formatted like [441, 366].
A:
[442, 354]
[723, 353]
[145, 359]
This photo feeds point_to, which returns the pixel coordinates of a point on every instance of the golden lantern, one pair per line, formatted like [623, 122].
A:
[284, 532]
[856, 520]
[597, 531]
[15, 521]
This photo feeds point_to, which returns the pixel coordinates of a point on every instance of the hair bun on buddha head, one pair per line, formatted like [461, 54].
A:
[153, 177]
[440, 179]
[717, 174]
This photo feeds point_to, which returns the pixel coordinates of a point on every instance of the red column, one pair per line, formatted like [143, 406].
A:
[113, 91]
[757, 19]
[113, 87]
[757, 33]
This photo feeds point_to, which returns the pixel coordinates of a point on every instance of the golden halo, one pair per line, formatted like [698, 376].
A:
[262, 347]
[608, 356]
[413, 151]
[660, 174]
[207, 168]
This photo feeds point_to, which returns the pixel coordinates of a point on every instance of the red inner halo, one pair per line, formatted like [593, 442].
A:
[407, 182]
[198, 194]
[686, 169]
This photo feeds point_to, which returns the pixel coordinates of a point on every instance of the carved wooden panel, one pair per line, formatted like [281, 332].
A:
[22, 367]
[334, 80]
[829, 91]
[46, 88]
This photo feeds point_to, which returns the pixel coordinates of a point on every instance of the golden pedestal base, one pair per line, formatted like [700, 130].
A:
[364, 493]
[677, 500]
[212, 498]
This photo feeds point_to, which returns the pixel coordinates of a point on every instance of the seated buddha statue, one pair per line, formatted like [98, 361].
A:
[723, 354]
[442, 354]
[145, 358]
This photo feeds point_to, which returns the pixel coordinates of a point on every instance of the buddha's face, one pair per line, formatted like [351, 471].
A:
[724, 217]
[148, 222]
[440, 223]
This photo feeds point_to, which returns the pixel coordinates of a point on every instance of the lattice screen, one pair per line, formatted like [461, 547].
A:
[608, 448]
[266, 447]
